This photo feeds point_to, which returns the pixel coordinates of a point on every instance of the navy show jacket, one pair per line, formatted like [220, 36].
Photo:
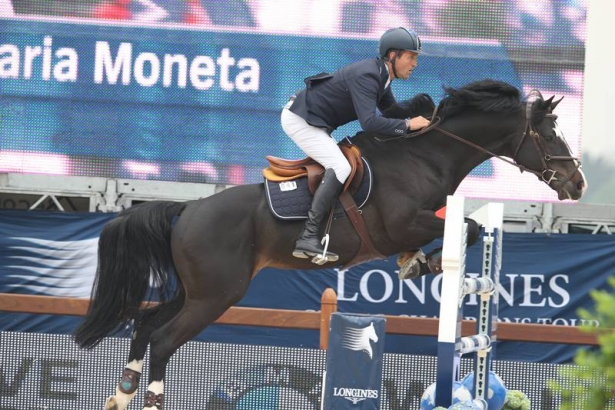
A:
[356, 91]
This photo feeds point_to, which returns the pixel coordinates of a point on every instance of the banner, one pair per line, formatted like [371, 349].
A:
[51, 254]
[353, 377]
[545, 279]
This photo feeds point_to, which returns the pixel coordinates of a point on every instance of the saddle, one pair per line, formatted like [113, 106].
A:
[281, 170]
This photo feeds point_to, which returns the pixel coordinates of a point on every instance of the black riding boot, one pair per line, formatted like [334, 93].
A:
[308, 244]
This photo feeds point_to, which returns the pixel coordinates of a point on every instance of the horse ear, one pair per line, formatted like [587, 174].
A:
[540, 108]
[541, 104]
[554, 104]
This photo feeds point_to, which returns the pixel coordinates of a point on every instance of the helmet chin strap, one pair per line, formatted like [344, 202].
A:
[393, 64]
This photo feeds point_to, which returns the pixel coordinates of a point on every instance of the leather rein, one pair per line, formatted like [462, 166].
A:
[546, 174]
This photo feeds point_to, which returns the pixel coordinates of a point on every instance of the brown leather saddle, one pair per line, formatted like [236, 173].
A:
[280, 170]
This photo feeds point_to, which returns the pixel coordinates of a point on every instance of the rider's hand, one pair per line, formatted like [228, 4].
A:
[417, 123]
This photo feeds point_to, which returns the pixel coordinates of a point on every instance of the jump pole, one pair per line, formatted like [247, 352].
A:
[455, 286]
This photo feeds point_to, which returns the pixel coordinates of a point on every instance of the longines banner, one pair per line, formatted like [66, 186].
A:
[354, 362]
[544, 279]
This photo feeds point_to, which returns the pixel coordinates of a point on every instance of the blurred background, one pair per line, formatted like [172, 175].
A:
[175, 132]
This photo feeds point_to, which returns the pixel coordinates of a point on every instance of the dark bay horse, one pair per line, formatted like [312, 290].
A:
[203, 254]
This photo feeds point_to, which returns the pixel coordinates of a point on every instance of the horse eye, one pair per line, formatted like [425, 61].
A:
[548, 137]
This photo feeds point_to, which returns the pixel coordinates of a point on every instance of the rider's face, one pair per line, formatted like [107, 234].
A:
[405, 62]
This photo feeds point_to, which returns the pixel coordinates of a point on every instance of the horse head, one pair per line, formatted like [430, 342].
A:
[543, 150]
[539, 147]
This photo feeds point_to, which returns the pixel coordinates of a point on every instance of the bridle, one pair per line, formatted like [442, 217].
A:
[546, 174]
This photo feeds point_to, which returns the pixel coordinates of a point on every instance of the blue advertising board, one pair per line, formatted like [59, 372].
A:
[354, 362]
[545, 279]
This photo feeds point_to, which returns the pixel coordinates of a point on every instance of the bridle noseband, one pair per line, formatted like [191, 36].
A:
[546, 174]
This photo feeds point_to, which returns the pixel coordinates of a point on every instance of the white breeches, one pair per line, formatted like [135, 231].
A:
[316, 143]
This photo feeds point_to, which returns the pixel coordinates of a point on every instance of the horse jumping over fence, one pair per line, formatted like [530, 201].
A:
[203, 254]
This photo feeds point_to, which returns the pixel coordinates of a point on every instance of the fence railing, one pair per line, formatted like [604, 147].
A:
[317, 320]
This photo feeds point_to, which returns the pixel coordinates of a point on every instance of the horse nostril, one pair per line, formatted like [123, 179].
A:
[580, 185]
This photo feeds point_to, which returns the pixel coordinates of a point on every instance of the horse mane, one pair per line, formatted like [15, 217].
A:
[488, 95]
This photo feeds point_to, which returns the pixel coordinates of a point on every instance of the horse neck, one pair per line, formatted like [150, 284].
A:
[440, 154]
[493, 133]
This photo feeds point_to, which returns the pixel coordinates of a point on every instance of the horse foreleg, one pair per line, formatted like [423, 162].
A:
[413, 264]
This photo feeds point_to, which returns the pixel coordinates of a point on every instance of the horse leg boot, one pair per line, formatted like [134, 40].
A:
[308, 244]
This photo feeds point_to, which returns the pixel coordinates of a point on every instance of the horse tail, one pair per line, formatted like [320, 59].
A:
[133, 249]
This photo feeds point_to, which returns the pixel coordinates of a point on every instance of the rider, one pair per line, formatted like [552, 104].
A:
[361, 90]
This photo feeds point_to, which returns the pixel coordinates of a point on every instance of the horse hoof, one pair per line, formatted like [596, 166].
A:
[153, 401]
[434, 261]
[435, 266]
[111, 404]
[410, 270]
[410, 264]
[118, 402]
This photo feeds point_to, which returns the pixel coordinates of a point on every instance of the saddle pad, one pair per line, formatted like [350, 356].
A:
[292, 199]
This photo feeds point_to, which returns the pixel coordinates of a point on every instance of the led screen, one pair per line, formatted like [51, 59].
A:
[191, 91]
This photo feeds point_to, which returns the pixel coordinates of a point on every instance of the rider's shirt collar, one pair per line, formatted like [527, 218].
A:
[386, 67]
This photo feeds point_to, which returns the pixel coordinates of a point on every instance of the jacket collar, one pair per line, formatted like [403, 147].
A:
[384, 72]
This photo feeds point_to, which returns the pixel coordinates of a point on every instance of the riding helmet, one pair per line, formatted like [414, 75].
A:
[399, 38]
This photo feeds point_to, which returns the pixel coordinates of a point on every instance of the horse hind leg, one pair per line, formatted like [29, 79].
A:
[195, 316]
[148, 322]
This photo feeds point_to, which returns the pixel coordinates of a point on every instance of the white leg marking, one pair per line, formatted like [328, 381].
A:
[136, 365]
[156, 387]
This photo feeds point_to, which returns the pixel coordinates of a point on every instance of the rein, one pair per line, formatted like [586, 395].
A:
[528, 130]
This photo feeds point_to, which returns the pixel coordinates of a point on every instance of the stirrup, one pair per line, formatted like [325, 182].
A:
[318, 258]
[325, 256]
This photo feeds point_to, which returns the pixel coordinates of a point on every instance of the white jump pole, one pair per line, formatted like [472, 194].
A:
[455, 286]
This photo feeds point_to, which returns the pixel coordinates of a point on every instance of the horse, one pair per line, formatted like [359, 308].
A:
[202, 254]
